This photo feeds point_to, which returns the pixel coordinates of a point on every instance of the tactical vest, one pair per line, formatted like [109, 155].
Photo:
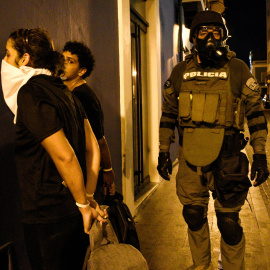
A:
[206, 99]
[206, 107]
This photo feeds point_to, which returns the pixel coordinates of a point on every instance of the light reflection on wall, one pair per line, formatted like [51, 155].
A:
[175, 43]
[171, 62]
[186, 44]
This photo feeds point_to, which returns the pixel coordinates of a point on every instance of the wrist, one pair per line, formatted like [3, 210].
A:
[107, 170]
[80, 205]
[90, 195]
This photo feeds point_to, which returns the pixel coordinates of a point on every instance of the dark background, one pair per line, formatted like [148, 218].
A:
[246, 22]
[91, 21]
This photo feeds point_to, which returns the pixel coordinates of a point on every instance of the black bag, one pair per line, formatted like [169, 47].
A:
[122, 220]
[231, 180]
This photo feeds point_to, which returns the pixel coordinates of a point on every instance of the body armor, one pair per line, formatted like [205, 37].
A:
[206, 99]
[206, 107]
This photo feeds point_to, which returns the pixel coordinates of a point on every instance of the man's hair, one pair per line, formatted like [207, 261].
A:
[85, 57]
[38, 44]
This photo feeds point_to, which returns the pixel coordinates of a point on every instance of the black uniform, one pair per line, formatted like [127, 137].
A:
[52, 222]
[92, 107]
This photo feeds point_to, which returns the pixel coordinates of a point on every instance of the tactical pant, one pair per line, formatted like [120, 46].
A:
[193, 189]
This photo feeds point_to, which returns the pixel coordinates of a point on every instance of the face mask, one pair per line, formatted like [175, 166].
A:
[207, 48]
[13, 79]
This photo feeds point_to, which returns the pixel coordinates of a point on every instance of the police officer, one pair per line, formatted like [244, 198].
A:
[207, 97]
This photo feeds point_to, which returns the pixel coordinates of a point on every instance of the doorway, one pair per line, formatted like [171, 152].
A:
[139, 100]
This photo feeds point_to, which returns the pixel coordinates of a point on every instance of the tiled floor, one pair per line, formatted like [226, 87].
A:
[163, 232]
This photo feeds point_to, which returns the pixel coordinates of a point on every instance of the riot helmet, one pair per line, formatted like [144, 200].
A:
[208, 32]
[208, 17]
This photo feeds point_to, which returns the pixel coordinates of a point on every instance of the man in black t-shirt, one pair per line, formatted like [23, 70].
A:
[57, 155]
[79, 63]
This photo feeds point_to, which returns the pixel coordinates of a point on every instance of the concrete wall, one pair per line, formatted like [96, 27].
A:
[151, 11]
[168, 56]
[95, 23]
[105, 81]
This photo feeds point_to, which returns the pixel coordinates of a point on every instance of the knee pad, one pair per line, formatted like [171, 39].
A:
[229, 227]
[194, 216]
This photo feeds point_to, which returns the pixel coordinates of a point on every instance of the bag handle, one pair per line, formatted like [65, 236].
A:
[102, 235]
[99, 235]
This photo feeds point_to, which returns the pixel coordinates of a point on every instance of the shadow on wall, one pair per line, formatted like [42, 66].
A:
[10, 199]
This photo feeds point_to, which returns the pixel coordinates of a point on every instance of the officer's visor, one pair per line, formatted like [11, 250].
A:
[203, 31]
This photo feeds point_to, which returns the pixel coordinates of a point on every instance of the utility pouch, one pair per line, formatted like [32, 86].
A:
[198, 103]
[184, 105]
[222, 109]
[239, 114]
[211, 108]
[231, 180]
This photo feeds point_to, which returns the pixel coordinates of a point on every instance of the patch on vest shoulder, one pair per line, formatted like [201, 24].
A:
[167, 84]
[252, 84]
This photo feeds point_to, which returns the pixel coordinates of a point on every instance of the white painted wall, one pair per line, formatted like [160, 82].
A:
[154, 84]
[126, 102]
[153, 91]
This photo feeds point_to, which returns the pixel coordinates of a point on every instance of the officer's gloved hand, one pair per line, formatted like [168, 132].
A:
[164, 165]
[259, 166]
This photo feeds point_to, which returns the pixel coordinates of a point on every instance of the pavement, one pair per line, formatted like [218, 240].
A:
[265, 187]
[162, 230]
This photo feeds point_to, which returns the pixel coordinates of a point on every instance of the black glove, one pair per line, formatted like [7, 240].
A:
[259, 166]
[164, 165]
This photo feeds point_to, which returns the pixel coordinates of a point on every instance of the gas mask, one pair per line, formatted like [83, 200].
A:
[209, 44]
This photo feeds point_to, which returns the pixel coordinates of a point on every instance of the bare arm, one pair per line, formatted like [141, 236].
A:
[67, 164]
[92, 155]
[69, 168]
[105, 153]
[108, 176]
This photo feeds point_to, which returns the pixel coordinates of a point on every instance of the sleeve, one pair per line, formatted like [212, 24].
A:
[257, 124]
[37, 111]
[169, 117]
[94, 113]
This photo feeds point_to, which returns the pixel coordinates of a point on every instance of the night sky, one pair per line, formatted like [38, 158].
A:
[246, 22]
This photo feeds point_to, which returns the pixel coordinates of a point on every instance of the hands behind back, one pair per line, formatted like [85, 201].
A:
[92, 212]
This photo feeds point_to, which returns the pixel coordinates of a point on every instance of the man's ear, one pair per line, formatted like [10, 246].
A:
[24, 61]
[82, 71]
